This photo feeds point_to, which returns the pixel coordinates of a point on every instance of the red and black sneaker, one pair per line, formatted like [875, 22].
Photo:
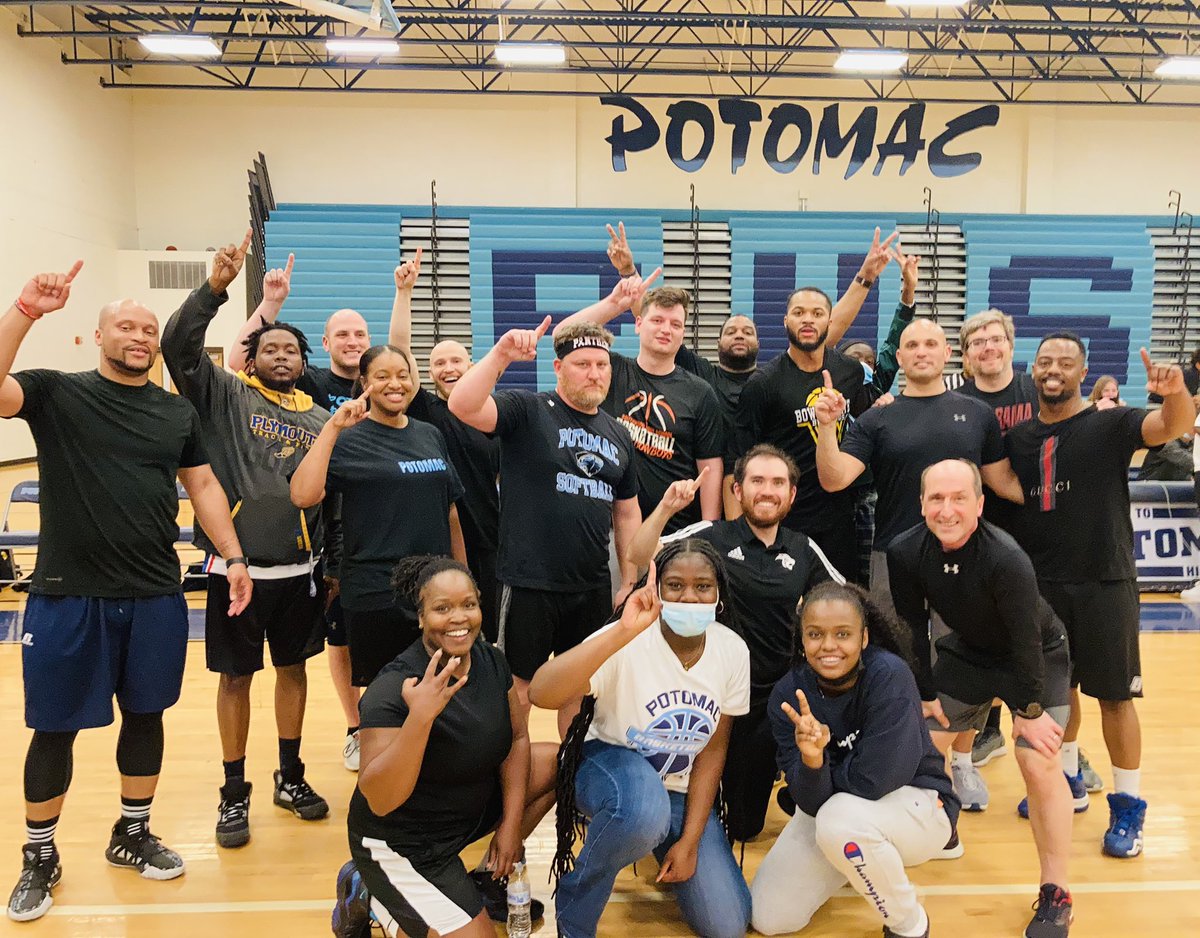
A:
[1052, 913]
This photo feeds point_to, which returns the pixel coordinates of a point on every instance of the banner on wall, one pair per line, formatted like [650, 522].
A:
[1166, 534]
[790, 135]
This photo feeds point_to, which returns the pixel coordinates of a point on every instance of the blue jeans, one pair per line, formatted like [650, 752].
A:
[631, 814]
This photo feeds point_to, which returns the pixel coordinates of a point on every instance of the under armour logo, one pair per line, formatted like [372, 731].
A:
[950, 568]
[1135, 686]
[962, 417]
[736, 554]
[27, 639]
[787, 561]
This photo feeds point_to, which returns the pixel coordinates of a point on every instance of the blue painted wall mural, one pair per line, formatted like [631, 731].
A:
[1094, 276]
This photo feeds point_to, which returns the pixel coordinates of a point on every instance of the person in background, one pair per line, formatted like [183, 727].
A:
[1106, 393]
[1192, 593]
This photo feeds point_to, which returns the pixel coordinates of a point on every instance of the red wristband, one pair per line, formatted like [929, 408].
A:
[25, 310]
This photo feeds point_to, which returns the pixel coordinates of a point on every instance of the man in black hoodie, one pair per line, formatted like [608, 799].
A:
[257, 428]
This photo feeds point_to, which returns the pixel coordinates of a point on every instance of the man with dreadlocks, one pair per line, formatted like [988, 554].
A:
[643, 759]
[257, 428]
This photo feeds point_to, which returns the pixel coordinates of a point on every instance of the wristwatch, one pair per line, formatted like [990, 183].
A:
[1031, 712]
[863, 281]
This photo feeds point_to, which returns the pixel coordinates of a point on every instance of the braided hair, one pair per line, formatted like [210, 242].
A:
[570, 823]
[885, 629]
[412, 573]
[251, 342]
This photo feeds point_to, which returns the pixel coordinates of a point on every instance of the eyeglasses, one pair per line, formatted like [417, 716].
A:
[996, 340]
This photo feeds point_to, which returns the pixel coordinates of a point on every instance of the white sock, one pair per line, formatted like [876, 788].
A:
[1128, 781]
[961, 759]
[1070, 758]
[920, 928]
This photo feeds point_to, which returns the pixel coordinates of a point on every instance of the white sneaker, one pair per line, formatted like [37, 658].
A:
[350, 752]
[970, 787]
[1190, 595]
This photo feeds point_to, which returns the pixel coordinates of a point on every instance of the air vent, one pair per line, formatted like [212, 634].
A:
[177, 275]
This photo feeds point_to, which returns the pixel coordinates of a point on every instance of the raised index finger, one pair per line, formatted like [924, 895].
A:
[366, 392]
[791, 713]
[612, 235]
[621, 229]
[654, 276]
[246, 241]
[541, 330]
[290, 264]
[1146, 361]
[417, 259]
[892, 237]
[699, 477]
[803, 701]
[75, 268]
[827, 379]
[431, 670]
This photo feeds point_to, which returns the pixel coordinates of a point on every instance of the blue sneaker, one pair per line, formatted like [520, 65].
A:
[1079, 796]
[352, 910]
[1126, 815]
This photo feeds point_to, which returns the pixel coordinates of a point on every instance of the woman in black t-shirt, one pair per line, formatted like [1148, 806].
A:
[445, 760]
[398, 489]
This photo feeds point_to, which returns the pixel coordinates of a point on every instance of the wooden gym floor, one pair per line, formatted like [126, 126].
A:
[283, 881]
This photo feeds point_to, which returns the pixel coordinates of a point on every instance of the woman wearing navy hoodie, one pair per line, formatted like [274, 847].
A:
[872, 791]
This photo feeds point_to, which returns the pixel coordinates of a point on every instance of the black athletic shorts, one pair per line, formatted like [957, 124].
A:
[335, 624]
[375, 637]
[418, 895]
[537, 623]
[1103, 620]
[483, 568]
[289, 613]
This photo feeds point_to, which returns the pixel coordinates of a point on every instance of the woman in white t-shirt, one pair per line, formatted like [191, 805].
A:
[641, 764]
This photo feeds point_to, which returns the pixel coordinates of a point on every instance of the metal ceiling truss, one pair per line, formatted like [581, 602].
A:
[1006, 51]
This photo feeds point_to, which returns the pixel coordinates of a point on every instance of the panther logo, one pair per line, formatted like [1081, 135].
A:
[589, 464]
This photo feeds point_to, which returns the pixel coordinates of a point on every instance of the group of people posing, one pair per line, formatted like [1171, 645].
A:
[713, 572]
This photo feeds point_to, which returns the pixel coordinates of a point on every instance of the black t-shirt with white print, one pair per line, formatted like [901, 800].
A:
[777, 407]
[673, 420]
[899, 441]
[1013, 404]
[728, 386]
[329, 391]
[1075, 525]
[560, 472]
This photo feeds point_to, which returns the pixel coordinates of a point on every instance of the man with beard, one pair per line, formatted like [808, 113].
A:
[770, 567]
[258, 427]
[672, 415]
[1073, 461]
[986, 340]
[345, 338]
[475, 455]
[569, 480]
[106, 616]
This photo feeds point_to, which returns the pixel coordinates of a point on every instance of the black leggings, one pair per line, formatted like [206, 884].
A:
[49, 762]
[750, 770]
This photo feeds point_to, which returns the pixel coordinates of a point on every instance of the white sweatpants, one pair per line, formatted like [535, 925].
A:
[868, 843]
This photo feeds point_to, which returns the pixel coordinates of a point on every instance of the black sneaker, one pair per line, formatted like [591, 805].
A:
[784, 799]
[495, 897]
[1052, 913]
[888, 933]
[352, 909]
[31, 897]
[142, 851]
[233, 815]
[299, 798]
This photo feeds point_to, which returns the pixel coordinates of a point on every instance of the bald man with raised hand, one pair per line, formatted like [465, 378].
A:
[106, 615]
[474, 454]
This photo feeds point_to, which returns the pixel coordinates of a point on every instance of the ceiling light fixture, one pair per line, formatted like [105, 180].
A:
[185, 44]
[530, 53]
[1180, 66]
[870, 60]
[362, 47]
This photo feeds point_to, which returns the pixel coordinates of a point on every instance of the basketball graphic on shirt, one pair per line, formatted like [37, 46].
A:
[673, 739]
[806, 417]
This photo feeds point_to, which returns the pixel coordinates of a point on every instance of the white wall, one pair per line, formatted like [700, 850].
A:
[66, 192]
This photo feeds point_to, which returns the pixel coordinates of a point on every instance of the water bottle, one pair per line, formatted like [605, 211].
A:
[519, 897]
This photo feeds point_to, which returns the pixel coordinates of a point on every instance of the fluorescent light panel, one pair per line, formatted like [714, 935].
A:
[368, 47]
[870, 60]
[530, 53]
[180, 44]
[1180, 66]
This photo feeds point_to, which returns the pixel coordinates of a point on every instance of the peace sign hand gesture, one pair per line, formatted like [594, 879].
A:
[227, 264]
[812, 736]
[830, 404]
[352, 412]
[642, 608]
[909, 272]
[520, 345]
[428, 697]
[877, 257]
[277, 283]
[1163, 380]
[47, 293]
[682, 492]
[406, 274]
[618, 250]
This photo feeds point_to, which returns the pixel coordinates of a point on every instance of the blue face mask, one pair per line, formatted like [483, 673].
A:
[688, 620]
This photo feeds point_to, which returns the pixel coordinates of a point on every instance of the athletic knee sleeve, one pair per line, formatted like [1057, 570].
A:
[48, 765]
[140, 743]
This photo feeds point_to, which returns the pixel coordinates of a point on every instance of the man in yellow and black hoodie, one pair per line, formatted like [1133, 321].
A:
[257, 427]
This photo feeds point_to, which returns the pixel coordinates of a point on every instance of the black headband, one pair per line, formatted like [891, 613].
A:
[565, 347]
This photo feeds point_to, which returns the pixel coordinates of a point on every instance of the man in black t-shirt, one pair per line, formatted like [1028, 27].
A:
[475, 455]
[770, 568]
[672, 415]
[105, 616]
[568, 481]
[1073, 461]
